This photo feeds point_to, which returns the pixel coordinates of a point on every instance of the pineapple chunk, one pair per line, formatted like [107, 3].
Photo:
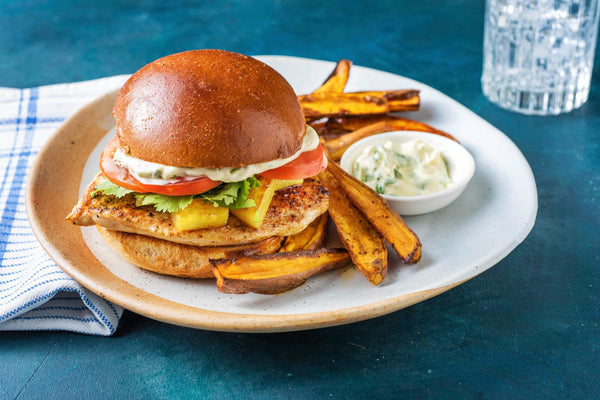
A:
[199, 215]
[262, 196]
[283, 183]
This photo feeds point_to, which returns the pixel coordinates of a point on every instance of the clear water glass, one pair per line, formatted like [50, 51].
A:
[539, 54]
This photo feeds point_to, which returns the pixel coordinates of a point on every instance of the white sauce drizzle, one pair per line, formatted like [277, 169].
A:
[158, 174]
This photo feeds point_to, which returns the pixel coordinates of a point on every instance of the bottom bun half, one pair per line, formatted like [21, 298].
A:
[170, 258]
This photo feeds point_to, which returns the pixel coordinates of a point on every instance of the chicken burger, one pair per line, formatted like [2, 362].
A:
[211, 159]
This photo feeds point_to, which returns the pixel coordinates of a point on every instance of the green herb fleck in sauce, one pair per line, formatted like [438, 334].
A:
[408, 169]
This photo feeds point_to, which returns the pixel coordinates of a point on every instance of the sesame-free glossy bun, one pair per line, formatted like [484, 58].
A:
[208, 108]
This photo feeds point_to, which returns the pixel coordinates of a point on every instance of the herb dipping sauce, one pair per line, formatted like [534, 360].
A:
[409, 169]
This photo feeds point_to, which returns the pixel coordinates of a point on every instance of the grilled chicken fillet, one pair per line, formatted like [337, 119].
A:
[291, 210]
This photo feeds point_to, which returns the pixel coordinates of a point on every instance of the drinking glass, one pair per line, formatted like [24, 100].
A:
[538, 54]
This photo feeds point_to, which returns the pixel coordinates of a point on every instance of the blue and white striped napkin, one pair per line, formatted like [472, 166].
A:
[35, 294]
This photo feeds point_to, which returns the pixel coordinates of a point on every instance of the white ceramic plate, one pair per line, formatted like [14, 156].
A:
[492, 216]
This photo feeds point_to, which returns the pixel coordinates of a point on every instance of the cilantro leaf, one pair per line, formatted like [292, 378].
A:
[110, 189]
[163, 203]
[232, 195]
[160, 202]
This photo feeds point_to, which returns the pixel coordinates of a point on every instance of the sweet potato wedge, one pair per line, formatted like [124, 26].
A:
[377, 210]
[341, 125]
[321, 128]
[327, 104]
[336, 82]
[336, 147]
[275, 273]
[398, 100]
[311, 238]
[330, 104]
[365, 245]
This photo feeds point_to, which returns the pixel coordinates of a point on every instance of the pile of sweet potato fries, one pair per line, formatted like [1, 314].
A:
[363, 219]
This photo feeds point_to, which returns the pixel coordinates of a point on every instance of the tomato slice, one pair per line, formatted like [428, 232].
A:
[121, 176]
[307, 164]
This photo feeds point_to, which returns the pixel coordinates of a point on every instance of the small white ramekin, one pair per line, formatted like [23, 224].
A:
[461, 166]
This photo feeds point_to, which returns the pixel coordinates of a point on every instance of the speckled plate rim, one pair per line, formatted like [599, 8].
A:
[60, 164]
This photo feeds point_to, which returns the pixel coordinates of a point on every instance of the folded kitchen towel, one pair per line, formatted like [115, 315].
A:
[35, 294]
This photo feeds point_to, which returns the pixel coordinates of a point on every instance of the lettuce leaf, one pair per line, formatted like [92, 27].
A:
[230, 195]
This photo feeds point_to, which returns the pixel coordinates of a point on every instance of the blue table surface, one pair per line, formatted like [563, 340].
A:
[527, 328]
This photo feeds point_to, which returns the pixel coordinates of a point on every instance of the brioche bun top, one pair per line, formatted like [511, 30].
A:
[208, 108]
